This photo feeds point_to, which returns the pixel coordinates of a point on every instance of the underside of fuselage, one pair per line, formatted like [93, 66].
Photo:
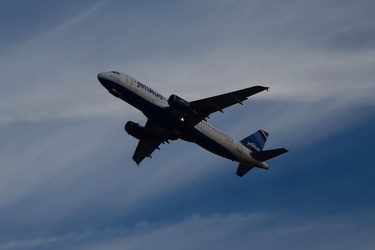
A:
[175, 118]
[212, 146]
[164, 118]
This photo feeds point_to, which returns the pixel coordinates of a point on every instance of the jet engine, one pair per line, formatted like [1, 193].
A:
[180, 104]
[136, 130]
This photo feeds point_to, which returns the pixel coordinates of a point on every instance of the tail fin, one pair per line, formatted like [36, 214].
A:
[256, 141]
[260, 156]
[255, 144]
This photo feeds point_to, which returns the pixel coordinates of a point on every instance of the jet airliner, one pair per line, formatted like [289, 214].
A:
[174, 118]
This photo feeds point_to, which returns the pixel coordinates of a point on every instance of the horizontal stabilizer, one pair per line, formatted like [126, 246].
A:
[243, 169]
[268, 154]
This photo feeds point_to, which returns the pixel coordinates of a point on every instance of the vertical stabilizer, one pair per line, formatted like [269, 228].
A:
[256, 141]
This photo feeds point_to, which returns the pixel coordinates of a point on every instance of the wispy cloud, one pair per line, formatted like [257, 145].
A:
[236, 230]
[59, 65]
[67, 178]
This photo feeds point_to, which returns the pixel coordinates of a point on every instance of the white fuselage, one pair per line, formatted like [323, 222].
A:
[151, 102]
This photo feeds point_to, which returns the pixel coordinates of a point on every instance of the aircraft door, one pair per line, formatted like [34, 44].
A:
[239, 147]
[132, 83]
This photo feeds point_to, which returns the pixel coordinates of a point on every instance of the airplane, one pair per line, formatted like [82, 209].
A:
[175, 118]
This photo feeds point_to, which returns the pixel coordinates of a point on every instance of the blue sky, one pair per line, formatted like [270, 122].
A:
[67, 180]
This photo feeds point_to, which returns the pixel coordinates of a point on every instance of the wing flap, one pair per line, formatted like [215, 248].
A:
[145, 148]
[207, 106]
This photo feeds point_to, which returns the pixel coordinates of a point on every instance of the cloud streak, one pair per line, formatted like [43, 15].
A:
[294, 71]
[67, 179]
[236, 230]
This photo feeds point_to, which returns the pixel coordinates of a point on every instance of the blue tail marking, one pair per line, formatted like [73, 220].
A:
[256, 141]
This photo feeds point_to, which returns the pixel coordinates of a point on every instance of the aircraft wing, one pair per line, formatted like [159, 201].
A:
[207, 106]
[146, 147]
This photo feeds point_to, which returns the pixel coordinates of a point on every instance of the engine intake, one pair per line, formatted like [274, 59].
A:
[136, 130]
[180, 104]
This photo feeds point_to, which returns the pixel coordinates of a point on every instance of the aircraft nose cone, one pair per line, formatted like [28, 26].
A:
[100, 76]
[103, 79]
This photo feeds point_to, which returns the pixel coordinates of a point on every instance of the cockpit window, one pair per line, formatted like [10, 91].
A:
[115, 72]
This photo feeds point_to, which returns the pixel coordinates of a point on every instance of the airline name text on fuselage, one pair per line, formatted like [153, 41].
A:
[150, 90]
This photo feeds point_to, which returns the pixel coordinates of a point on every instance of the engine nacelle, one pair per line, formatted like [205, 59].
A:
[136, 130]
[180, 104]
